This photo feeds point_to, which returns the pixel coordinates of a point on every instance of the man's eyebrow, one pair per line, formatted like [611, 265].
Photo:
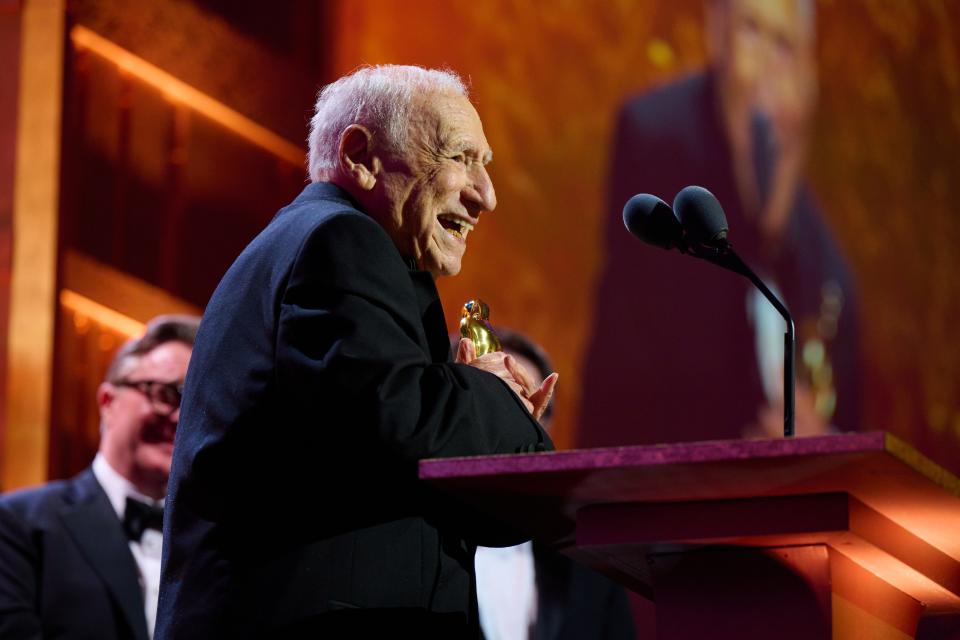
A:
[456, 144]
[462, 145]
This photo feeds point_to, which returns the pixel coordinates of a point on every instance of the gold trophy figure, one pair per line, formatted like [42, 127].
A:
[475, 324]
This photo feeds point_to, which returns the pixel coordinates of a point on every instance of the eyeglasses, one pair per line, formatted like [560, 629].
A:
[164, 396]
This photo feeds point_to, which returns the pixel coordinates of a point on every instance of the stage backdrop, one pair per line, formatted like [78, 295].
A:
[548, 79]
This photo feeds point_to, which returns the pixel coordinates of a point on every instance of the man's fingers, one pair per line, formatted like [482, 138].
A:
[541, 398]
[492, 363]
[521, 375]
[518, 390]
[508, 369]
[466, 351]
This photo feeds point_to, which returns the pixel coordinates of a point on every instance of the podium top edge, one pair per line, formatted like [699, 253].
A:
[682, 453]
[668, 453]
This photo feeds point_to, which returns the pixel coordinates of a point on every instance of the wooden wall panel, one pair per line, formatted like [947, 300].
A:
[162, 181]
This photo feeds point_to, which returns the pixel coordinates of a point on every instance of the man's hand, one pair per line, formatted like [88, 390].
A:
[807, 422]
[535, 397]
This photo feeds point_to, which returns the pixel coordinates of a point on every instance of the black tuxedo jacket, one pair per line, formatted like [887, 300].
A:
[321, 375]
[574, 602]
[66, 570]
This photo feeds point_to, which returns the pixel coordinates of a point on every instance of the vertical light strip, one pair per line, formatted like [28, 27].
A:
[33, 269]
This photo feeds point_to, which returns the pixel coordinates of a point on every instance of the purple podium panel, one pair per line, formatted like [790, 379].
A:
[868, 524]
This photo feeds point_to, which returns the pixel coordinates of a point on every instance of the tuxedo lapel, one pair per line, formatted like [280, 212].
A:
[94, 527]
[552, 584]
[433, 330]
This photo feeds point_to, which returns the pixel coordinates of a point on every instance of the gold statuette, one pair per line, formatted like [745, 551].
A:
[475, 324]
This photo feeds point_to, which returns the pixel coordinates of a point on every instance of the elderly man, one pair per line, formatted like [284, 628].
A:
[323, 374]
[81, 558]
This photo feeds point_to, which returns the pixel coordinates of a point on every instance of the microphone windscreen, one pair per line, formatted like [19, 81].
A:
[652, 220]
[701, 215]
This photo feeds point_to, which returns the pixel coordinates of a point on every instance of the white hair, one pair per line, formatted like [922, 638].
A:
[377, 97]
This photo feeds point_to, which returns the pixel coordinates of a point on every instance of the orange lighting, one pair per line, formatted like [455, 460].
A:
[33, 263]
[102, 315]
[177, 90]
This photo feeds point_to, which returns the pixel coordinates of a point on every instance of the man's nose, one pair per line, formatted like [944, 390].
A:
[480, 192]
[168, 412]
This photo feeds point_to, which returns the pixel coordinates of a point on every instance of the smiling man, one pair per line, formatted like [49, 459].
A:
[428, 196]
[81, 558]
[322, 375]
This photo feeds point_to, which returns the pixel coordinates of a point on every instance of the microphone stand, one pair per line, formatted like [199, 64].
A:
[724, 256]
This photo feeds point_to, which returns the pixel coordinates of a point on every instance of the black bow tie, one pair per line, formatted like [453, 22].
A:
[139, 516]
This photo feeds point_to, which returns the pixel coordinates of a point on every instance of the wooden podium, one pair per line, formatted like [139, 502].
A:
[844, 536]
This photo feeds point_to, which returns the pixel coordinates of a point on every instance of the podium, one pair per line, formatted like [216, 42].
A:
[843, 536]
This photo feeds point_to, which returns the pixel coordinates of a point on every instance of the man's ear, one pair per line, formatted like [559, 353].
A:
[105, 396]
[358, 162]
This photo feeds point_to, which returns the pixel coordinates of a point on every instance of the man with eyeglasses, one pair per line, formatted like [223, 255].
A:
[81, 558]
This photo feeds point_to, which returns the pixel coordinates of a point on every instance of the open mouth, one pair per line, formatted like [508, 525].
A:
[160, 431]
[455, 226]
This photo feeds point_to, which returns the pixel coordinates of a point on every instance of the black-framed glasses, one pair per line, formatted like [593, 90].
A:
[163, 396]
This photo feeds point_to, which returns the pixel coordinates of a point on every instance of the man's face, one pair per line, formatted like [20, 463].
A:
[435, 189]
[138, 429]
[763, 39]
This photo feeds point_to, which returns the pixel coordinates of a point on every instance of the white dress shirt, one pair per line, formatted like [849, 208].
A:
[768, 328]
[146, 552]
[506, 591]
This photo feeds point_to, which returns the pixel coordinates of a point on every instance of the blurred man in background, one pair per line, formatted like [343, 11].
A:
[81, 558]
[530, 591]
[703, 349]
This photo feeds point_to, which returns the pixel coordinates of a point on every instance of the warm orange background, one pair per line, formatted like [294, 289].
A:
[547, 78]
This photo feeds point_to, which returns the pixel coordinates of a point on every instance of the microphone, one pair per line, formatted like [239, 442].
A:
[701, 216]
[702, 224]
[697, 226]
[649, 218]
